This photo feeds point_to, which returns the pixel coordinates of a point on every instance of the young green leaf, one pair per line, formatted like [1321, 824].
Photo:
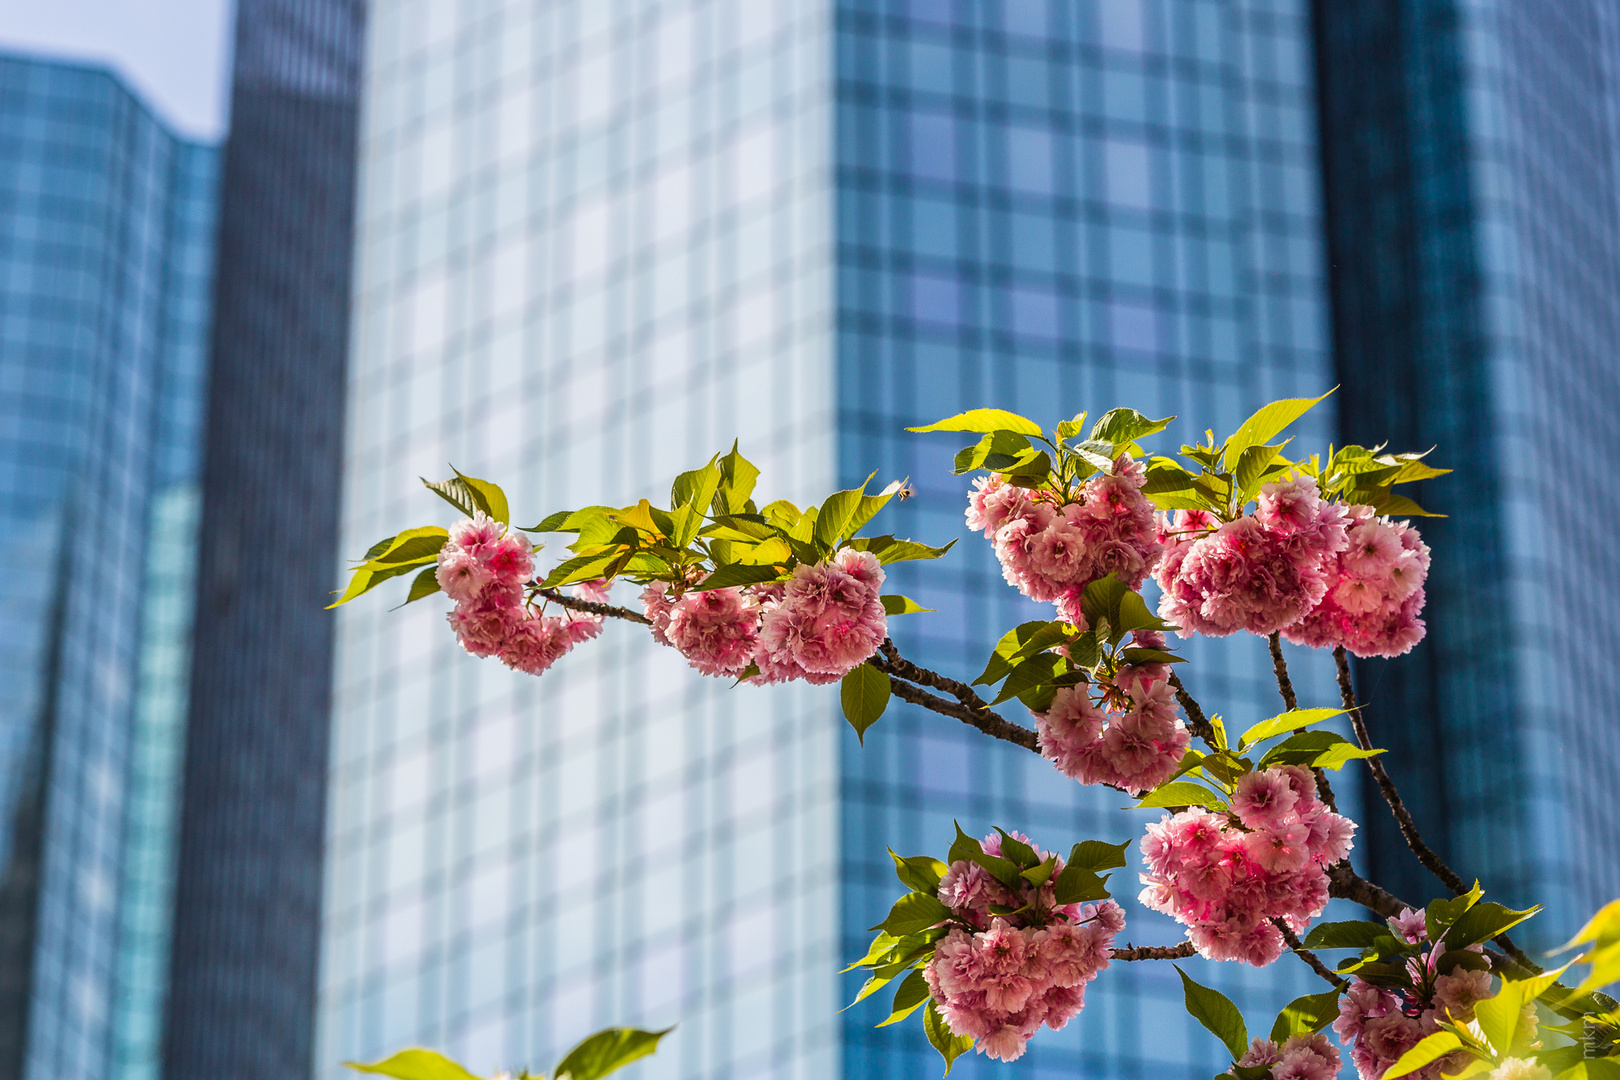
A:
[415, 1064]
[1023, 640]
[1216, 1012]
[1440, 914]
[949, 1044]
[368, 577]
[1097, 855]
[1354, 934]
[1068, 429]
[895, 604]
[607, 1051]
[734, 574]
[985, 420]
[425, 584]
[1122, 427]
[910, 996]
[1101, 599]
[1079, 885]
[1316, 750]
[864, 694]
[412, 546]
[913, 912]
[1038, 670]
[1182, 793]
[1307, 1015]
[1431, 1048]
[737, 478]
[1016, 851]
[834, 516]
[919, 872]
[1267, 421]
[1291, 720]
[997, 451]
[1484, 921]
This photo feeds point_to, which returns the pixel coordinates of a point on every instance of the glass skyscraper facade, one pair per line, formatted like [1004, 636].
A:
[598, 241]
[1473, 203]
[107, 225]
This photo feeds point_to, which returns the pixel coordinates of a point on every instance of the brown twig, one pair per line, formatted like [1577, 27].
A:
[1305, 954]
[592, 608]
[982, 717]
[1197, 722]
[1285, 686]
[1154, 952]
[1346, 884]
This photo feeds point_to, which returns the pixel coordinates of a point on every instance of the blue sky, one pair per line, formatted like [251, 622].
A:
[174, 53]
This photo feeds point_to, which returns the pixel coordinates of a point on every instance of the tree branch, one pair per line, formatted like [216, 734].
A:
[591, 608]
[969, 708]
[1305, 954]
[1197, 722]
[1154, 952]
[1285, 686]
[1345, 884]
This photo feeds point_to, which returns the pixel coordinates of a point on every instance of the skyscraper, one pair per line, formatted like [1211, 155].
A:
[597, 241]
[107, 225]
[1473, 197]
[248, 902]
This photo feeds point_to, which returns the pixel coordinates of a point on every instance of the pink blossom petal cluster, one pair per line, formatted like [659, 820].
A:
[1380, 1023]
[1135, 748]
[1259, 572]
[1050, 550]
[483, 567]
[820, 624]
[1301, 1057]
[1225, 876]
[1375, 590]
[999, 981]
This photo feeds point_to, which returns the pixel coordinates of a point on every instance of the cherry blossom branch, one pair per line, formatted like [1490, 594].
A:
[1345, 884]
[969, 707]
[591, 608]
[1285, 686]
[1197, 722]
[1305, 954]
[1403, 817]
[1154, 952]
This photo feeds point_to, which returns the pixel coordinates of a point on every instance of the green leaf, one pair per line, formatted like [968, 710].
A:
[425, 584]
[1134, 615]
[1039, 875]
[1288, 721]
[919, 872]
[1016, 851]
[895, 604]
[864, 693]
[1078, 885]
[833, 519]
[368, 577]
[1592, 1069]
[736, 574]
[997, 451]
[949, 1044]
[1028, 674]
[1267, 421]
[1097, 855]
[580, 568]
[1101, 599]
[964, 847]
[1317, 750]
[985, 420]
[1182, 793]
[913, 912]
[889, 550]
[415, 1064]
[911, 995]
[1605, 963]
[607, 1051]
[1603, 926]
[1307, 1015]
[737, 478]
[1025, 639]
[1252, 467]
[1354, 934]
[1440, 914]
[1431, 1048]
[1216, 1012]
[967, 848]
[1068, 429]
[413, 545]
[1483, 922]
[1122, 427]
[700, 491]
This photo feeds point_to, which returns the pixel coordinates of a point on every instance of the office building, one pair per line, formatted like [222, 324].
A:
[596, 241]
[1474, 209]
[107, 224]
[247, 907]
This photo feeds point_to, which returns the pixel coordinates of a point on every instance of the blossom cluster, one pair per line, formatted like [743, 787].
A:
[1375, 590]
[484, 567]
[821, 623]
[1380, 1023]
[1000, 981]
[1302, 1057]
[1225, 876]
[1257, 572]
[1136, 746]
[1050, 550]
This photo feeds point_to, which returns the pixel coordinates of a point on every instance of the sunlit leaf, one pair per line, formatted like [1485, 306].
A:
[985, 420]
[1216, 1012]
[607, 1051]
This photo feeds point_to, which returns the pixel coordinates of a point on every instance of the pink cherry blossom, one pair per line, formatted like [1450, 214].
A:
[1375, 597]
[1138, 749]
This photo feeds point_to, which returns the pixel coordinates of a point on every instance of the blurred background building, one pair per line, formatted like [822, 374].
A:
[107, 223]
[592, 243]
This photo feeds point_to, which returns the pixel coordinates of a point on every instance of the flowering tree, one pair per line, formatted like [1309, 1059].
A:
[1001, 937]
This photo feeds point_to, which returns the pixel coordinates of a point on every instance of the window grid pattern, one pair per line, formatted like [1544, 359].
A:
[105, 243]
[1053, 207]
[593, 246]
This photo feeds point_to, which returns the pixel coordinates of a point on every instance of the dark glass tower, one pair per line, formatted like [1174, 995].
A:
[1472, 160]
[106, 250]
[248, 905]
